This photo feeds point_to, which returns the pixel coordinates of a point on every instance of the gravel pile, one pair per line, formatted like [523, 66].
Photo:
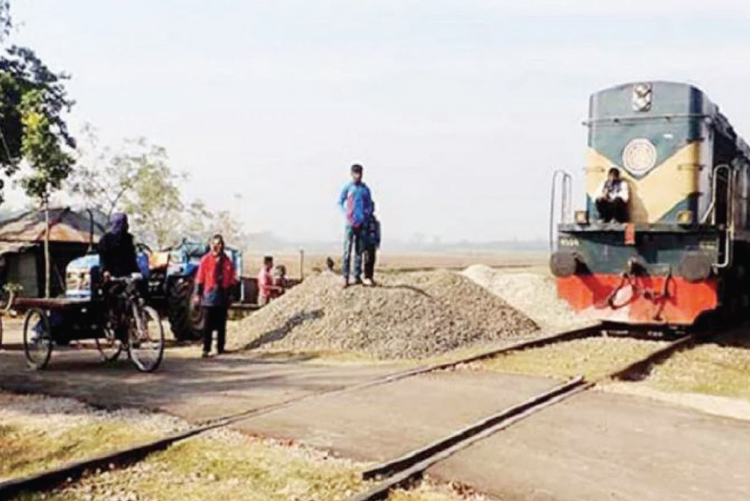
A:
[409, 315]
[534, 294]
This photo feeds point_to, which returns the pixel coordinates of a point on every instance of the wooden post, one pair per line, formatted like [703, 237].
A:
[302, 264]
[47, 271]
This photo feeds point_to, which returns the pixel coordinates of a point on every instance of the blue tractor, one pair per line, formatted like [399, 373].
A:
[170, 276]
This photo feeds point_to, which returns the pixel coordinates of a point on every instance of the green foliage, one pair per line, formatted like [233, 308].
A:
[28, 90]
[101, 179]
[153, 198]
[5, 20]
[140, 181]
[41, 147]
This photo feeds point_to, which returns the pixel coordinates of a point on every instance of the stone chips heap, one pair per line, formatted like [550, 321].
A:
[409, 315]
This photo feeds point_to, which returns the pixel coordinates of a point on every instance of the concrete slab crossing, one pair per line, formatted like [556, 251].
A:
[599, 446]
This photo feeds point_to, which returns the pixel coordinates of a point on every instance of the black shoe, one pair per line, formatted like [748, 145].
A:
[206, 355]
[358, 281]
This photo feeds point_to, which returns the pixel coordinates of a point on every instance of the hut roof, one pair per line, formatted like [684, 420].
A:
[66, 226]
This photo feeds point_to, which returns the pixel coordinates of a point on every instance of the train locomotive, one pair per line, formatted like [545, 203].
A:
[683, 252]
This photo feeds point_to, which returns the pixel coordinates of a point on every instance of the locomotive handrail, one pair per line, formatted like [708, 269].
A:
[729, 232]
[565, 202]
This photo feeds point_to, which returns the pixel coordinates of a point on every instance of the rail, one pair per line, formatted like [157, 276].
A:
[405, 470]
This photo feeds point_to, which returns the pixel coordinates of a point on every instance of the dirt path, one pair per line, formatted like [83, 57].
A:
[187, 387]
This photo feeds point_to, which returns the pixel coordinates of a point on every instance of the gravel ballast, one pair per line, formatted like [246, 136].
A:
[408, 315]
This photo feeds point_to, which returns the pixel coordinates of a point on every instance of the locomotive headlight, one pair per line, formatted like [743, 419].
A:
[696, 266]
[581, 217]
[565, 263]
[685, 217]
[642, 97]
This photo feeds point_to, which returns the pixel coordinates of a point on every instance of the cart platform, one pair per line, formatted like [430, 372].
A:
[58, 303]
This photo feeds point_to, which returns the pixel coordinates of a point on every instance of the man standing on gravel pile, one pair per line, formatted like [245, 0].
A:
[356, 202]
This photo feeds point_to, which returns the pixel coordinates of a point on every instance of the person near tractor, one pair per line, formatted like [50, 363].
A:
[612, 198]
[372, 244]
[358, 207]
[117, 259]
[268, 288]
[213, 283]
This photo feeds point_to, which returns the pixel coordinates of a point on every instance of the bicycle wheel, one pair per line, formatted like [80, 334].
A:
[109, 346]
[146, 339]
[37, 339]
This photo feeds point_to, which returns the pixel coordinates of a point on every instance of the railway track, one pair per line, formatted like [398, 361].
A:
[405, 470]
[399, 472]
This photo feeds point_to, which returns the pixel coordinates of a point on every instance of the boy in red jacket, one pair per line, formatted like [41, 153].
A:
[212, 285]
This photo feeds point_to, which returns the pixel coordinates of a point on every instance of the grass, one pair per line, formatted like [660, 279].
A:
[232, 466]
[709, 369]
[25, 450]
[591, 357]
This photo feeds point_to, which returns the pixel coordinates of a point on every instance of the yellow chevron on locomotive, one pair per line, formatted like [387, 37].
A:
[660, 190]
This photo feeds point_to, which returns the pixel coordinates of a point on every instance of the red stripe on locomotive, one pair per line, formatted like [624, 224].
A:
[639, 300]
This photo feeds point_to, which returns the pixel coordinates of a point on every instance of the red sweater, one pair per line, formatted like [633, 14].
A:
[205, 280]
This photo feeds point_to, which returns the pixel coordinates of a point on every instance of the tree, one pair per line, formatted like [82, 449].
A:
[229, 226]
[140, 181]
[100, 179]
[49, 163]
[25, 83]
[153, 198]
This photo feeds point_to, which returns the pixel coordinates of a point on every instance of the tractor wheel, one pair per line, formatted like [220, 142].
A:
[185, 318]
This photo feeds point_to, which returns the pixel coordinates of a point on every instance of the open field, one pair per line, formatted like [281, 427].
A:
[402, 262]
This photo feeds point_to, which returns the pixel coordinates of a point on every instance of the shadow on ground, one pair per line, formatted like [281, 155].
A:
[283, 331]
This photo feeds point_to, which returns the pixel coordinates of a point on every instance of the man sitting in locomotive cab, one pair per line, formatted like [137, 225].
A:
[612, 198]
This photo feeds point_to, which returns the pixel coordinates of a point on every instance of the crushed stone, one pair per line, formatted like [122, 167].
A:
[533, 294]
[408, 315]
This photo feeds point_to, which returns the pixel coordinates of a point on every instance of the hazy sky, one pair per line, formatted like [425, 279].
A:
[459, 110]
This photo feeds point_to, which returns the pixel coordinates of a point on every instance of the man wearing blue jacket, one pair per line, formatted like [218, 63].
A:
[356, 202]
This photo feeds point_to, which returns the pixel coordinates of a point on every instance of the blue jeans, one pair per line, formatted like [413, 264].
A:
[354, 240]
